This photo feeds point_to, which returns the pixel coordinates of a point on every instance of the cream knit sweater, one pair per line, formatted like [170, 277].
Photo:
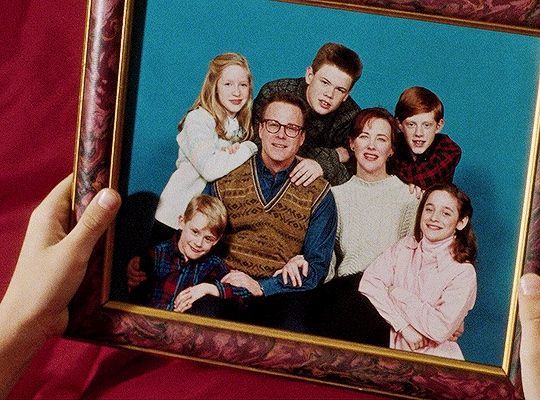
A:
[372, 216]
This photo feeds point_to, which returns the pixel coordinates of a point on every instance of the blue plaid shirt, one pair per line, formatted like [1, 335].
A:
[172, 273]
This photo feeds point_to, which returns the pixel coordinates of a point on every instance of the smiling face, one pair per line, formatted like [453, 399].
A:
[278, 149]
[327, 88]
[372, 147]
[440, 216]
[196, 239]
[233, 88]
[420, 131]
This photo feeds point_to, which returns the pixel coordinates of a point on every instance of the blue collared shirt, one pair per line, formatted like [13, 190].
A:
[320, 234]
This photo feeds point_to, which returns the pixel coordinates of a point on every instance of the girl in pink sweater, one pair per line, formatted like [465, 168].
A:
[425, 285]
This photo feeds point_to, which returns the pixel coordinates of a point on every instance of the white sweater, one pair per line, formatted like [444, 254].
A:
[201, 159]
[372, 216]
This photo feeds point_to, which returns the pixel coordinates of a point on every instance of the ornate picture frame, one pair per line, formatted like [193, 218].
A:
[94, 316]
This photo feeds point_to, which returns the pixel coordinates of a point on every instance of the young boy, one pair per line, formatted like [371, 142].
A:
[181, 268]
[325, 88]
[423, 155]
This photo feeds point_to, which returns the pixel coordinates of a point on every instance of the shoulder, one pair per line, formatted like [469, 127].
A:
[318, 189]
[343, 187]
[443, 141]
[461, 272]
[199, 115]
[401, 190]
[348, 196]
[168, 245]
[463, 269]
[213, 260]
[241, 174]
[407, 243]
[349, 106]
[404, 247]
[319, 192]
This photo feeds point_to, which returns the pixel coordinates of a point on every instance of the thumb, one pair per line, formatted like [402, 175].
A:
[529, 301]
[529, 314]
[94, 221]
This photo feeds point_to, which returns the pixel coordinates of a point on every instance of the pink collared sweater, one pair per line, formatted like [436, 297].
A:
[420, 284]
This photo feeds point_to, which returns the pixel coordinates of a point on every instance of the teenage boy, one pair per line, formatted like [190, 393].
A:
[181, 270]
[423, 155]
[325, 88]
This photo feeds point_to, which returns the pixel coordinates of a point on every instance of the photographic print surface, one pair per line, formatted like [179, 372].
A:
[487, 81]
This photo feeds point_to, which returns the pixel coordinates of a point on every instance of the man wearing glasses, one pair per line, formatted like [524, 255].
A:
[280, 236]
[326, 88]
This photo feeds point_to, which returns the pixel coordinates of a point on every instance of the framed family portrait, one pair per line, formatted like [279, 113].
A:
[143, 66]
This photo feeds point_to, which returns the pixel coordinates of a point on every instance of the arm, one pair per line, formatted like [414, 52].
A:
[51, 266]
[441, 164]
[330, 146]
[529, 315]
[334, 171]
[439, 321]
[375, 283]
[224, 290]
[447, 159]
[317, 250]
[199, 142]
[135, 274]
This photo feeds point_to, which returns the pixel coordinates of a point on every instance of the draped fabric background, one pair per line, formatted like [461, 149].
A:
[40, 55]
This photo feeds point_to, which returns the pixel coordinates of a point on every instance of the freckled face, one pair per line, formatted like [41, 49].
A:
[440, 216]
[420, 131]
[233, 88]
[327, 88]
[372, 148]
[196, 239]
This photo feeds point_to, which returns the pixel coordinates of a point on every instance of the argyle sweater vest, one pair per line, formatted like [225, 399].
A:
[261, 237]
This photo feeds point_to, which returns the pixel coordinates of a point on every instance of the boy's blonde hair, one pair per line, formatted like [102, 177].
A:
[208, 98]
[212, 208]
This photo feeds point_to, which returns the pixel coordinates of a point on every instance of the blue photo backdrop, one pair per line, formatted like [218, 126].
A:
[487, 81]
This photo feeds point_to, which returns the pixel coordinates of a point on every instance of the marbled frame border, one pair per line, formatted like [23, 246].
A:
[520, 16]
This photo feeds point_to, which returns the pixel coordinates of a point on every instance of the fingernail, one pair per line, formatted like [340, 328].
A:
[107, 199]
[530, 284]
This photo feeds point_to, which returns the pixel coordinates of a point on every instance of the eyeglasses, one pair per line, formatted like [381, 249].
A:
[273, 127]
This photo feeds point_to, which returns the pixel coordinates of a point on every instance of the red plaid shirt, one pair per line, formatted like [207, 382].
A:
[436, 165]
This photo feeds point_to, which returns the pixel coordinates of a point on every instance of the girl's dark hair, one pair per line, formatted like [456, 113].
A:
[464, 248]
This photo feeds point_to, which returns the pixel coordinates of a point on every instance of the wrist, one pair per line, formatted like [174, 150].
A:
[26, 326]
[259, 291]
[210, 289]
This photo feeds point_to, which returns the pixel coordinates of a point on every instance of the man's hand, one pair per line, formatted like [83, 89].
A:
[305, 172]
[343, 154]
[135, 275]
[292, 269]
[241, 279]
